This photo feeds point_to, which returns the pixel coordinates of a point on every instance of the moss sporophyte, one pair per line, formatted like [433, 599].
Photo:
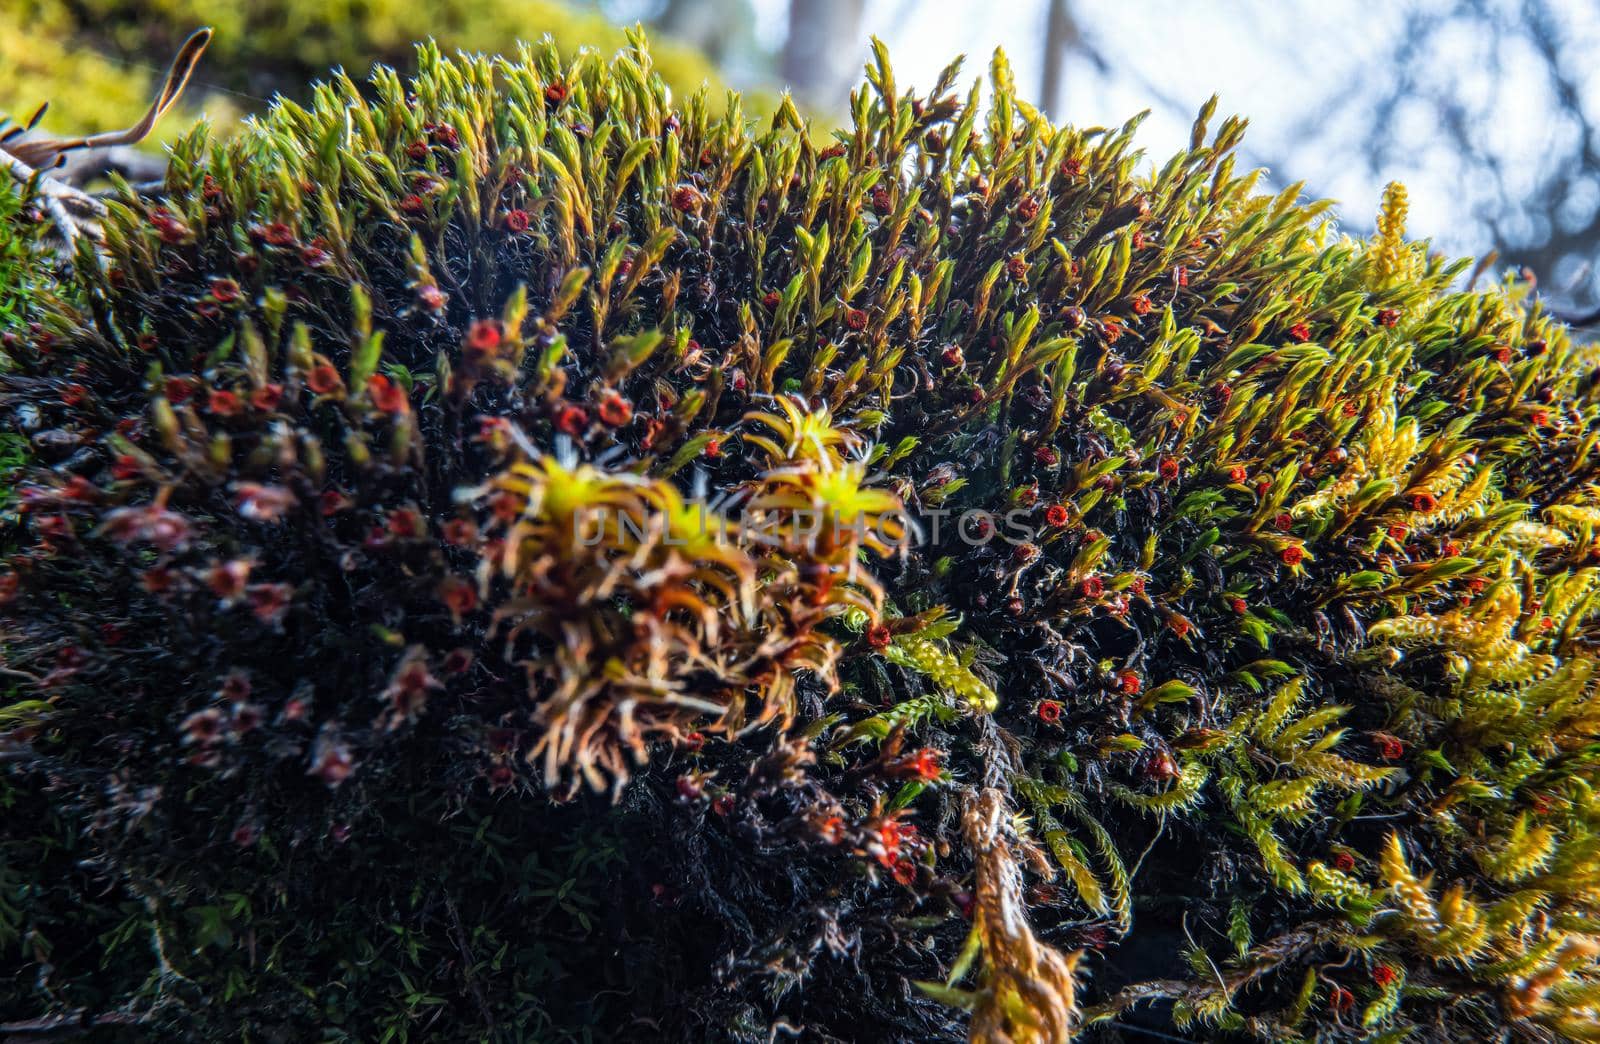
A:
[499, 533]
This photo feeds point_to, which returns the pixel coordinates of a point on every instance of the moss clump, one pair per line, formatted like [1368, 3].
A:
[1262, 690]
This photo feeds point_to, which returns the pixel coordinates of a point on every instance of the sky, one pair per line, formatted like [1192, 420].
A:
[1284, 65]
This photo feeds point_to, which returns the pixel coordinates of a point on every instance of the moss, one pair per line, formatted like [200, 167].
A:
[27, 276]
[24, 271]
[1261, 689]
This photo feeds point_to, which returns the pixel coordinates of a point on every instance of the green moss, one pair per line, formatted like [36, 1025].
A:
[20, 257]
[1271, 688]
[27, 276]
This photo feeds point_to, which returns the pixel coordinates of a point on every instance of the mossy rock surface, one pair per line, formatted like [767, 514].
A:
[1260, 706]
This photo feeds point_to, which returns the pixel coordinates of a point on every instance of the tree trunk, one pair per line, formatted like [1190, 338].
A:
[1060, 39]
[712, 26]
[822, 51]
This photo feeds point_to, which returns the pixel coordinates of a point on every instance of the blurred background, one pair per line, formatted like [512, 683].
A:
[1488, 110]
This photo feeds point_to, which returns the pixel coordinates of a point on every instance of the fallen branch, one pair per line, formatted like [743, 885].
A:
[72, 210]
[43, 153]
[64, 1027]
[34, 160]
